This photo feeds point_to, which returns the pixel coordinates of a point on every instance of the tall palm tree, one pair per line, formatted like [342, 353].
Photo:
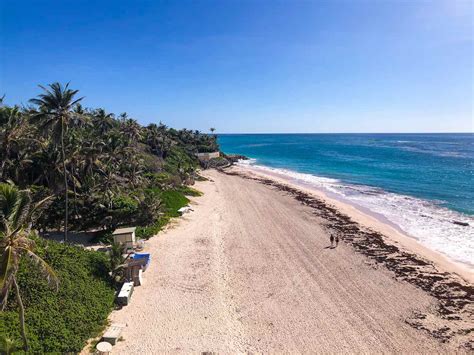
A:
[154, 138]
[17, 214]
[13, 130]
[131, 129]
[56, 113]
[102, 120]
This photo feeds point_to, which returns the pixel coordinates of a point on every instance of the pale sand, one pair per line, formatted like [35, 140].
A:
[249, 270]
[395, 235]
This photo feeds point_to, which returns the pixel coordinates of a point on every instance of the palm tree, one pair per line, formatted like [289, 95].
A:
[12, 131]
[116, 258]
[102, 120]
[17, 214]
[79, 109]
[131, 129]
[212, 129]
[55, 113]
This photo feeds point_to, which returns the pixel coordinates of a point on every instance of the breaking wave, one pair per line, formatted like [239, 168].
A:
[439, 228]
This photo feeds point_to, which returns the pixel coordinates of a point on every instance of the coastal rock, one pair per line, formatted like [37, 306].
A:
[234, 158]
[218, 163]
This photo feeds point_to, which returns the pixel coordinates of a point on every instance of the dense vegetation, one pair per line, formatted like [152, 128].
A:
[113, 168]
[61, 321]
[97, 171]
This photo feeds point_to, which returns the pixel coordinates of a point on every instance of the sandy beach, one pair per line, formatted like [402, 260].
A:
[251, 270]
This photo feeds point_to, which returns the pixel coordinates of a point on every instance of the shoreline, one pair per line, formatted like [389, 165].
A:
[370, 220]
[250, 269]
[449, 283]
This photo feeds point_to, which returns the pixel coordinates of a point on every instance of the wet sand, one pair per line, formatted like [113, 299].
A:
[250, 269]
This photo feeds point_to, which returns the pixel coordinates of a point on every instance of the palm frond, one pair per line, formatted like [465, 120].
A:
[8, 199]
[21, 209]
[37, 209]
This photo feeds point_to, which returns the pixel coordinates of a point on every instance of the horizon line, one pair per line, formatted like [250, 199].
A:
[248, 133]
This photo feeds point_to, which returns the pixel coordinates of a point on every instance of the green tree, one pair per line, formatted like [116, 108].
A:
[55, 112]
[12, 131]
[17, 214]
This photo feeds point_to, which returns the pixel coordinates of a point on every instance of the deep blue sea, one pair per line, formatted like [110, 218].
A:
[420, 182]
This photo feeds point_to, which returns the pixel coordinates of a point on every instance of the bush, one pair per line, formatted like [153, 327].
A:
[62, 322]
[189, 191]
[172, 201]
[162, 180]
[149, 231]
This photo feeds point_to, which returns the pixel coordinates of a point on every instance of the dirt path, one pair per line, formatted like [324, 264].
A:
[249, 270]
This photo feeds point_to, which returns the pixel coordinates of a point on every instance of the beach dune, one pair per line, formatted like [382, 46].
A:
[251, 270]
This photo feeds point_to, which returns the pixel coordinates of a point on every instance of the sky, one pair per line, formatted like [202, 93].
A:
[250, 66]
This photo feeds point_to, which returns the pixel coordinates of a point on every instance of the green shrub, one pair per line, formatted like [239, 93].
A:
[124, 204]
[172, 201]
[189, 191]
[149, 231]
[201, 178]
[161, 180]
[180, 162]
[62, 322]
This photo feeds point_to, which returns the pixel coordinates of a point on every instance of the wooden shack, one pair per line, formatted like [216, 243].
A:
[125, 236]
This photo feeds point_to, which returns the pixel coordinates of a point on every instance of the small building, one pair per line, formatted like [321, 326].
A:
[204, 157]
[125, 236]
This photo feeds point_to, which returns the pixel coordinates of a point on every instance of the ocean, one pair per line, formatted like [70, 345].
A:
[421, 183]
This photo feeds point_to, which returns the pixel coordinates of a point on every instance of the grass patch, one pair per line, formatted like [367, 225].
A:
[172, 200]
[189, 191]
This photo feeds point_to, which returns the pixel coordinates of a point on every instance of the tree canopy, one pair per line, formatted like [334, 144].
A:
[103, 163]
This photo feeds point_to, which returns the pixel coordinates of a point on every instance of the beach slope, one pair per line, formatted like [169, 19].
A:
[251, 270]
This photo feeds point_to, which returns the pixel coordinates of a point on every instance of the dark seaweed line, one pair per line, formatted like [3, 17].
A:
[455, 297]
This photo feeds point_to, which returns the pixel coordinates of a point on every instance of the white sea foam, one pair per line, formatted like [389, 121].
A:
[424, 220]
[249, 161]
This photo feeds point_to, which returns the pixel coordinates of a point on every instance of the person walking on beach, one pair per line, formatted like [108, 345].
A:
[337, 240]
[331, 239]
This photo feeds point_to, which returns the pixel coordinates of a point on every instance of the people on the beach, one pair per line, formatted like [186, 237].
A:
[331, 239]
[337, 240]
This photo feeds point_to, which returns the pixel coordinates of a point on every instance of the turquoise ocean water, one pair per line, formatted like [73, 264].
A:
[422, 183]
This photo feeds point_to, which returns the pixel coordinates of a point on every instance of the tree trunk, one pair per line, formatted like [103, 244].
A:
[66, 214]
[2, 167]
[22, 314]
[75, 193]
[5, 155]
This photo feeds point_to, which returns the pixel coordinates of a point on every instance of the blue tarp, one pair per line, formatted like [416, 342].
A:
[146, 256]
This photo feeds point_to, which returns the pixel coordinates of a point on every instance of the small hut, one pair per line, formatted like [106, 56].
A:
[125, 237]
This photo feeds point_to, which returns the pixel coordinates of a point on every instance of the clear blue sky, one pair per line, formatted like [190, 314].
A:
[251, 66]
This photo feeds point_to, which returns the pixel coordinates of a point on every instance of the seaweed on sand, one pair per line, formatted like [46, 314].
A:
[453, 320]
